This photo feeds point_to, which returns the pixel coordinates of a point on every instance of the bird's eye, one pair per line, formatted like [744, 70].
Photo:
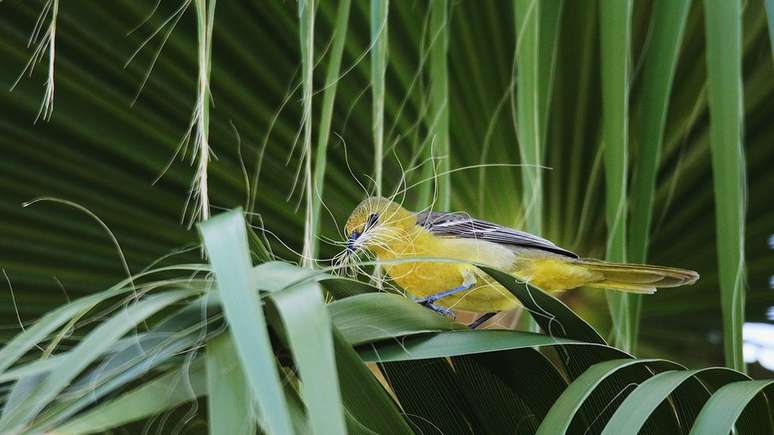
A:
[373, 218]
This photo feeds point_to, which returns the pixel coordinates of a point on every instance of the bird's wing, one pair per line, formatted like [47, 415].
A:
[462, 225]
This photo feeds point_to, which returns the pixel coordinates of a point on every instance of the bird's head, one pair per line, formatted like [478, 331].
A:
[376, 223]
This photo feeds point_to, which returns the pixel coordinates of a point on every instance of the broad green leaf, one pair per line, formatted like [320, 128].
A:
[226, 240]
[550, 15]
[367, 403]
[21, 390]
[377, 316]
[70, 156]
[101, 382]
[125, 361]
[32, 368]
[229, 405]
[723, 24]
[553, 316]
[323, 135]
[411, 380]
[341, 288]
[536, 31]
[439, 98]
[557, 320]
[307, 326]
[564, 410]
[615, 39]
[537, 34]
[510, 389]
[27, 339]
[414, 382]
[455, 343]
[178, 332]
[363, 317]
[88, 350]
[379, 44]
[297, 410]
[722, 410]
[638, 406]
[131, 358]
[277, 275]
[667, 24]
[165, 392]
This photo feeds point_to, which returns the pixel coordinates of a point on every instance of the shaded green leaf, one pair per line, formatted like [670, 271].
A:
[329, 97]
[366, 401]
[638, 406]
[414, 382]
[667, 24]
[509, 389]
[229, 404]
[455, 343]
[722, 410]
[723, 23]
[553, 316]
[564, 410]
[377, 316]
[615, 39]
[165, 392]
[308, 330]
[88, 350]
[226, 240]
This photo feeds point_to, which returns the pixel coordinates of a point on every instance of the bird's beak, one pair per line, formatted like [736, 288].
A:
[351, 244]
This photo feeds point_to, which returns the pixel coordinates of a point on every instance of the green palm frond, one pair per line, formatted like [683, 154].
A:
[631, 130]
[443, 377]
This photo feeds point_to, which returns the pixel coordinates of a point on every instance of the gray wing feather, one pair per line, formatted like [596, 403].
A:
[461, 225]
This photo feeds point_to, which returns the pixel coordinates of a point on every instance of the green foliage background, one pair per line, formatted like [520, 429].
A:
[100, 151]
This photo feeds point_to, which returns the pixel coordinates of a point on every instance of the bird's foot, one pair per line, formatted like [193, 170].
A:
[440, 295]
[447, 312]
[429, 301]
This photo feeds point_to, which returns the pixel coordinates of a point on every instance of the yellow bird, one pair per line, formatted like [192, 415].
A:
[391, 232]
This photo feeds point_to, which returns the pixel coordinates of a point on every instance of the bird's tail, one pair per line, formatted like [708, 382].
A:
[636, 278]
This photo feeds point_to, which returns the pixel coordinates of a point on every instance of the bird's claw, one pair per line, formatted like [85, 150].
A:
[447, 312]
